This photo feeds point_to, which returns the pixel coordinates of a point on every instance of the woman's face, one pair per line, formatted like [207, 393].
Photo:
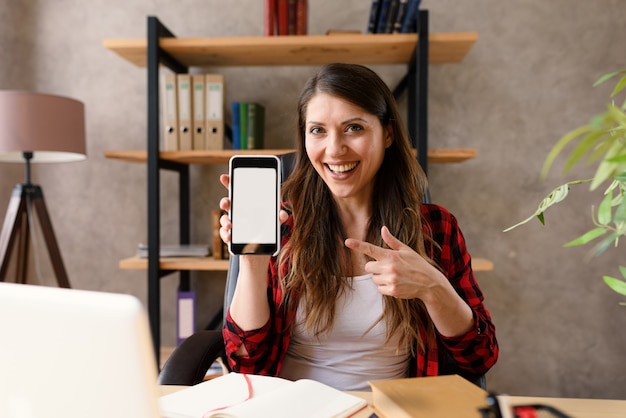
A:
[346, 145]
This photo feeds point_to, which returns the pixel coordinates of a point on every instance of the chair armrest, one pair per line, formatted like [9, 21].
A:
[190, 361]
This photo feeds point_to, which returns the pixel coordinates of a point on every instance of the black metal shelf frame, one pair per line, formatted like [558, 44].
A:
[415, 82]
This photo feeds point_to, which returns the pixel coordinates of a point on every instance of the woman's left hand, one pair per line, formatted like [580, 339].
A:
[399, 271]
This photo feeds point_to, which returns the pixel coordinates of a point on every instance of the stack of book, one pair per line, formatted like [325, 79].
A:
[248, 125]
[193, 111]
[190, 250]
[393, 16]
[285, 17]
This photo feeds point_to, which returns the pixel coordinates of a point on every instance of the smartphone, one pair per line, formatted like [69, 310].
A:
[254, 204]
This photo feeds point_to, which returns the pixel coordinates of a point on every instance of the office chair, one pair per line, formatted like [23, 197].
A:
[189, 362]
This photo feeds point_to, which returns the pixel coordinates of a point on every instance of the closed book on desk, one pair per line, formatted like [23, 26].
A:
[427, 397]
[233, 396]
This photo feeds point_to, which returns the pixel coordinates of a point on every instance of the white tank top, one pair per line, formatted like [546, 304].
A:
[346, 358]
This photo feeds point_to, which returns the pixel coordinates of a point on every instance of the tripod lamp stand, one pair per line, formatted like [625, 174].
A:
[35, 128]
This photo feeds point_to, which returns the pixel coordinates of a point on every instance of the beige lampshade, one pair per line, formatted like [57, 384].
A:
[51, 127]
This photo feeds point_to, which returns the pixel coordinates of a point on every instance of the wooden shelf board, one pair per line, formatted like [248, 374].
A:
[176, 263]
[482, 264]
[369, 49]
[435, 155]
[210, 264]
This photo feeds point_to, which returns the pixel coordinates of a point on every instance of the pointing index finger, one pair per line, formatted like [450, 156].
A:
[366, 248]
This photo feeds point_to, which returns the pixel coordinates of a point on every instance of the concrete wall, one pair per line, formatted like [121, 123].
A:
[527, 81]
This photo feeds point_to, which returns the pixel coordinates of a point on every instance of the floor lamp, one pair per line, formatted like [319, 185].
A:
[35, 128]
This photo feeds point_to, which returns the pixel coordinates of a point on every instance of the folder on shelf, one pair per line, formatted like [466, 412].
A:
[214, 111]
[185, 135]
[170, 112]
[186, 312]
[198, 124]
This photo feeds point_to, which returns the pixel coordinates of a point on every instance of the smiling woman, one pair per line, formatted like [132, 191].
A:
[370, 283]
[346, 146]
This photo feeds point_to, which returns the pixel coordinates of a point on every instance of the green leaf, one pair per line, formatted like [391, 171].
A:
[541, 218]
[617, 285]
[607, 76]
[604, 210]
[607, 169]
[586, 237]
[618, 159]
[555, 196]
[621, 177]
[585, 144]
[561, 144]
[619, 87]
[620, 211]
[606, 243]
[622, 270]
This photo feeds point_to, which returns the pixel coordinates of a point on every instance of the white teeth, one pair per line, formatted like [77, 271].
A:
[342, 168]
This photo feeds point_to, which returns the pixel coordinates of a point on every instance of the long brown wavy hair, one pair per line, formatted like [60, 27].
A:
[315, 263]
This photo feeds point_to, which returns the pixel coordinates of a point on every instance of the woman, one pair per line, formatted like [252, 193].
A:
[370, 283]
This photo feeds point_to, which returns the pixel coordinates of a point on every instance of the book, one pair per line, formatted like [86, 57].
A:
[409, 25]
[391, 18]
[302, 17]
[256, 125]
[190, 250]
[373, 18]
[282, 17]
[399, 18]
[269, 18]
[291, 16]
[243, 125]
[237, 395]
[383, 16]
[432, 397]
[235, 125]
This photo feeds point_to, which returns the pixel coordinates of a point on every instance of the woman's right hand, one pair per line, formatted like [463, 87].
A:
[225, 206]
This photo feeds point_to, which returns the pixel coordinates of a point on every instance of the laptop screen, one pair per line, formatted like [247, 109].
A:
[74, 353]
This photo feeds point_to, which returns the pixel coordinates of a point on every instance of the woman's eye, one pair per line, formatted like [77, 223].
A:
[315, 130]
[354, 128]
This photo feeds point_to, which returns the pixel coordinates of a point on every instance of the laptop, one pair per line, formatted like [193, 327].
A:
[74, 354]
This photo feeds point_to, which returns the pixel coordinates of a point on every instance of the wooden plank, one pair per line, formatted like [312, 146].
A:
[210, 264]
[176, 263]
[368, 49]
[435, 155]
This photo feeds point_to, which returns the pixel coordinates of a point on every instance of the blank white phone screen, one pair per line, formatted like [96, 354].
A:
[255, 205]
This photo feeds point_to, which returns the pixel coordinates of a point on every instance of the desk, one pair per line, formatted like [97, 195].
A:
[577, 408]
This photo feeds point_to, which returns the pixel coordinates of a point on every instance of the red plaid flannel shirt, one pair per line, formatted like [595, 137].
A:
[474, 352]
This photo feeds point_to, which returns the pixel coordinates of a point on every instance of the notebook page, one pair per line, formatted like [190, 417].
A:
[303, 399]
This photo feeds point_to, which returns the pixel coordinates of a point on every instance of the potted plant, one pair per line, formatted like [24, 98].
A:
[602, 142]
